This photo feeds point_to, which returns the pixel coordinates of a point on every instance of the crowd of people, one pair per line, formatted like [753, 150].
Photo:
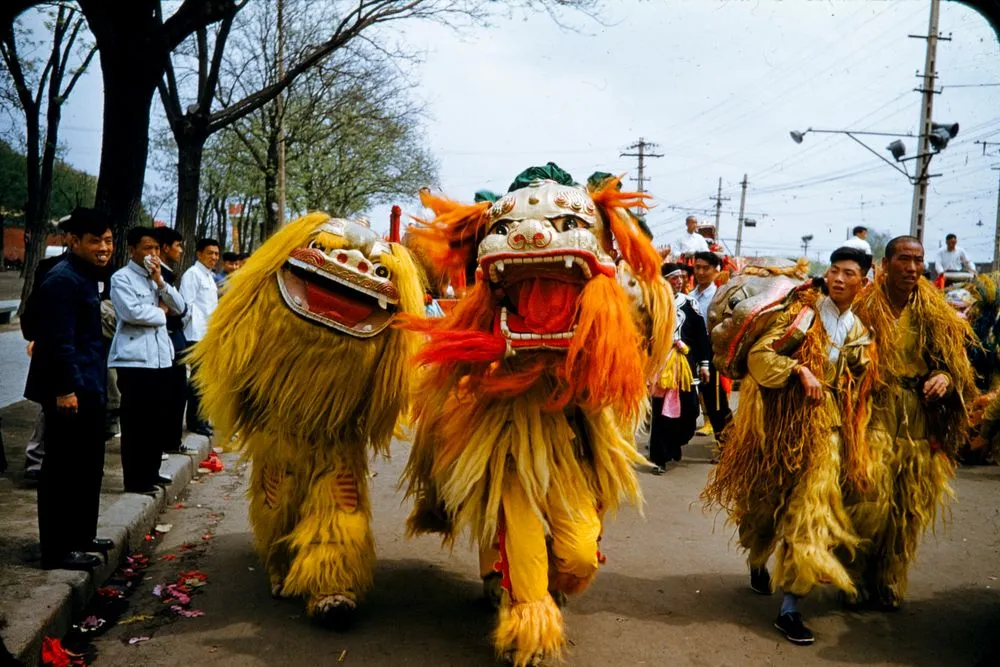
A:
[108, 343]
[853, 400]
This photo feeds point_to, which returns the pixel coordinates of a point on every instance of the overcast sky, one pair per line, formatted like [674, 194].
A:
[718, 85]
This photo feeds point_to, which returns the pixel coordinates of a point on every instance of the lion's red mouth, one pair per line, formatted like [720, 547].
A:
[344, 307]
[543, 305]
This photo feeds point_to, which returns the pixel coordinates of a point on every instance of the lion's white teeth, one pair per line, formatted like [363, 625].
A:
[568, 261]
[383, 303]
[499, 265]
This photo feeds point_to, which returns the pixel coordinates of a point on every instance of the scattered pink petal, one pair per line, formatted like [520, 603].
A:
[187, 613]
[137, 640]
[158, 590]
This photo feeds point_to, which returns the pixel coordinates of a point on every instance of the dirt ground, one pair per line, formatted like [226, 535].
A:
[674, 591]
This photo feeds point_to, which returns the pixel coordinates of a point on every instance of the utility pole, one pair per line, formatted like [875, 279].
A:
[280, 109]
[805, 244]
[641, 149]
[926, 108]
[718, 208]
[739, 228]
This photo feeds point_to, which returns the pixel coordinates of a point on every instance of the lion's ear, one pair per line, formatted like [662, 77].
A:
[450, 239]
[635, 247]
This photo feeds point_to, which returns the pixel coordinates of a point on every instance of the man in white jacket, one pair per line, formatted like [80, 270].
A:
[142, 354]
[201, 294]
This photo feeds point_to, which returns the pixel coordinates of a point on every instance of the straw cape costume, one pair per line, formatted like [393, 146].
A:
[302, 366]
[913, 442]
[781, 474]
[531, 385]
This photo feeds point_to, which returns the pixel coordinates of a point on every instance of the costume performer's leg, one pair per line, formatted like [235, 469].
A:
[275, 497]
[757, 534]
[813, 525]
[332, 547]
[491, 572]
[530, 625]
[911, 484]
[575, 533]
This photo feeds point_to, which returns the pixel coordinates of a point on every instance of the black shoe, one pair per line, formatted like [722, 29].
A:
[657, 470]
[202, 430]
[102, 545]
[74, 560]
[760, 580]
[794, 629]
[164, 480]
[32, 475]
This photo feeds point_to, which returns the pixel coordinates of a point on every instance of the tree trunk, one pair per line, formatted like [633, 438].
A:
[35, 229]
[128, 95]
[189, 153]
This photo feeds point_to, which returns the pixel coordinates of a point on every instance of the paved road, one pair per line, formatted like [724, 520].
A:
[673, 592]
[13, 367]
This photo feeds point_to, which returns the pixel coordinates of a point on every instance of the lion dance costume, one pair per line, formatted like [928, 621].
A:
[914, 443]
[532, 384]
[301, 365]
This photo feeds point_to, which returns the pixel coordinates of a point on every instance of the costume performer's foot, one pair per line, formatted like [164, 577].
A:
[760, 580]
[534, 661]
[794, 629]
[278, 588]
[657, 470]
[334, 611]
[885, 600]
[492, 589]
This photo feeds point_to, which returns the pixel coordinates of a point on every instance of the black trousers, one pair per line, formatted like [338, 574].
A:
[145, 413]
[176, 396]
[716, 401]
[668, 434]
[69, 489]
[194, 418]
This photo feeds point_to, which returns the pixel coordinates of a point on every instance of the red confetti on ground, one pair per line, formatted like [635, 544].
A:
[169, 557]
[179, 506]
[187, 546]
[149, 538]
[54, 655]
[206, 536]
[212, 463]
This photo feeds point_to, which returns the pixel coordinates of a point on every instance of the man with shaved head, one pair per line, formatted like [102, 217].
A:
[922, 385]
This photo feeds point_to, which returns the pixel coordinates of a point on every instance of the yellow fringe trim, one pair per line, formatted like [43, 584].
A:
[527, 631]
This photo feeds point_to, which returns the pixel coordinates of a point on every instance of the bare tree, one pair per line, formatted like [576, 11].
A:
[300, 37]
[36, 92]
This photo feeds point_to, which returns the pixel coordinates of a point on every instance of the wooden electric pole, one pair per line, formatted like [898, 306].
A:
[739, 227]
[718, 208]
[641, 148]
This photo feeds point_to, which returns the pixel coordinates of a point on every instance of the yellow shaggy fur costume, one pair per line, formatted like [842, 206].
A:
[913, 443]
[786, 462]
[308, 403]
[529, 447]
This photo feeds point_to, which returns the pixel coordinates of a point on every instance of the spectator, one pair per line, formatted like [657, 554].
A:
[230, 262]
[713, 394]
[690, 242]
[199, 291]
[30, 321]
[143, 355]
[171, 252]
[953, 258]
[859, 240]
[68, 376]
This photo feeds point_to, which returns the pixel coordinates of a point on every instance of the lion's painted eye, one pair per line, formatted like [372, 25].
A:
[500, 228]
[567, 222]
[381, 271]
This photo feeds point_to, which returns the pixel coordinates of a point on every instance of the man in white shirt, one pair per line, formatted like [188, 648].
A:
[200, 293]
[713, 394]
[691, 242]
[952, 258]
[142, 355]
[859, 240]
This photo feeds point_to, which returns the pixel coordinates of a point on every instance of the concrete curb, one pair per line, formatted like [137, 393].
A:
[50, 610]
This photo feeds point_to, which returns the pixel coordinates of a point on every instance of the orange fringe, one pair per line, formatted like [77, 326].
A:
[633, 245]
[449, 240]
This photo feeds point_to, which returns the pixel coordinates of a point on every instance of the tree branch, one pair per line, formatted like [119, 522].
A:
[190, 16]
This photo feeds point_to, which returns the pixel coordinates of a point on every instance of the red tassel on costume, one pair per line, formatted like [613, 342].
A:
[449, 347]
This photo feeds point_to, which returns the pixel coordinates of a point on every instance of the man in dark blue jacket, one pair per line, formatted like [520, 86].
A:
[68, 377]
